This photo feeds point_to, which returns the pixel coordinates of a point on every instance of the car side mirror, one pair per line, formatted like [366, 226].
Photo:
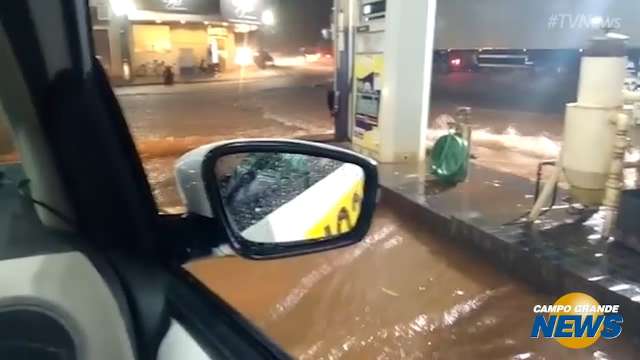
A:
[280, 198]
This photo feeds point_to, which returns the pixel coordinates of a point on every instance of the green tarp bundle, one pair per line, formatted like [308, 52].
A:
[450, 159]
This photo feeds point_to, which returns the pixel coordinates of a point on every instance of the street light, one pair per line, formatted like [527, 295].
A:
[122, 7]
[244, 56]
[268, 18]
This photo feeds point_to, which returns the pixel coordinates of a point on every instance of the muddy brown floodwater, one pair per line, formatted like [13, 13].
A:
[399, 294]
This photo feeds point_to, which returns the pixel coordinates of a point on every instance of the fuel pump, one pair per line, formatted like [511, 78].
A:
[391, 60]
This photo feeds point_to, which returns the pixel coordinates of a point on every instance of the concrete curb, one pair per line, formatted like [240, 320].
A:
[124, 84]
[194, 81]
[118, 83]
[554, 261]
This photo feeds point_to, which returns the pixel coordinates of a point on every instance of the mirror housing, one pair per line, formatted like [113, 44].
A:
[203, 193]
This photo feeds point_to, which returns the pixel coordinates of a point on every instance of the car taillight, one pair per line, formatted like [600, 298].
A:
[456, 62]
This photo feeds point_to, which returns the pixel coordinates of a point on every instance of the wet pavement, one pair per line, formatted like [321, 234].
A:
[561, 253]
[401, 293]
[500, 121]
[169, 121]
[166, 122]
[404, 292]
[248, 73]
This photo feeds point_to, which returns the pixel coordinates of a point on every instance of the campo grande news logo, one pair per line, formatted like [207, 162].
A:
[576, 321]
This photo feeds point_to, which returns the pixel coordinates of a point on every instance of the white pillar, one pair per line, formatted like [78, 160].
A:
[115, 46]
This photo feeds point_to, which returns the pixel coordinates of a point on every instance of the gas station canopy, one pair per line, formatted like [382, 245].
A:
[235, 11]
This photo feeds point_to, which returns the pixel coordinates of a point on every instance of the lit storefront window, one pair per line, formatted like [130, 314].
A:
[156, 38]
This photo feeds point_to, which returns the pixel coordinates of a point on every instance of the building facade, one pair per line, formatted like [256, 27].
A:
[106, 36]
[144, 36]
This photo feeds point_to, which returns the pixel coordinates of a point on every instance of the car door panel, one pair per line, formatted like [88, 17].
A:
[68, 288]
[221, 331]
[178, 344]
[108, 289]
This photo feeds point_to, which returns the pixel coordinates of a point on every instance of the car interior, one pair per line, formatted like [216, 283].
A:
[80, 250]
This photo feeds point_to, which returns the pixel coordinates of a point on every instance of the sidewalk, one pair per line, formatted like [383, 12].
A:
[555, 255]
[231, 75]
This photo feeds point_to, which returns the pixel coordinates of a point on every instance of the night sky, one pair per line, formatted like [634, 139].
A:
[299, 23]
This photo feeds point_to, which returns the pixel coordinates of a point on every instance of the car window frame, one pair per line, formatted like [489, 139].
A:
[64, 100]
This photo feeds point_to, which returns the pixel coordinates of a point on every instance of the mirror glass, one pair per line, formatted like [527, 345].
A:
[281, 197]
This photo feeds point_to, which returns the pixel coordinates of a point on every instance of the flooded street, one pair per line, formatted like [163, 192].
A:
[184, 176]
[290, 103]
[401, 293]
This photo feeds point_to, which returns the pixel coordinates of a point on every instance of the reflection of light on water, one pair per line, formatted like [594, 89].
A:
[523, 356]
[511, 131]
[596, 223]
[289, 61]
[632, 155]
[425, 323]
[389, 292]
[310, 354]
[536, 146]
[630, 178]
[630, 175]
[299, 123]
[420, 325]
[393, 242]
[600, 355]
[311, 279]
